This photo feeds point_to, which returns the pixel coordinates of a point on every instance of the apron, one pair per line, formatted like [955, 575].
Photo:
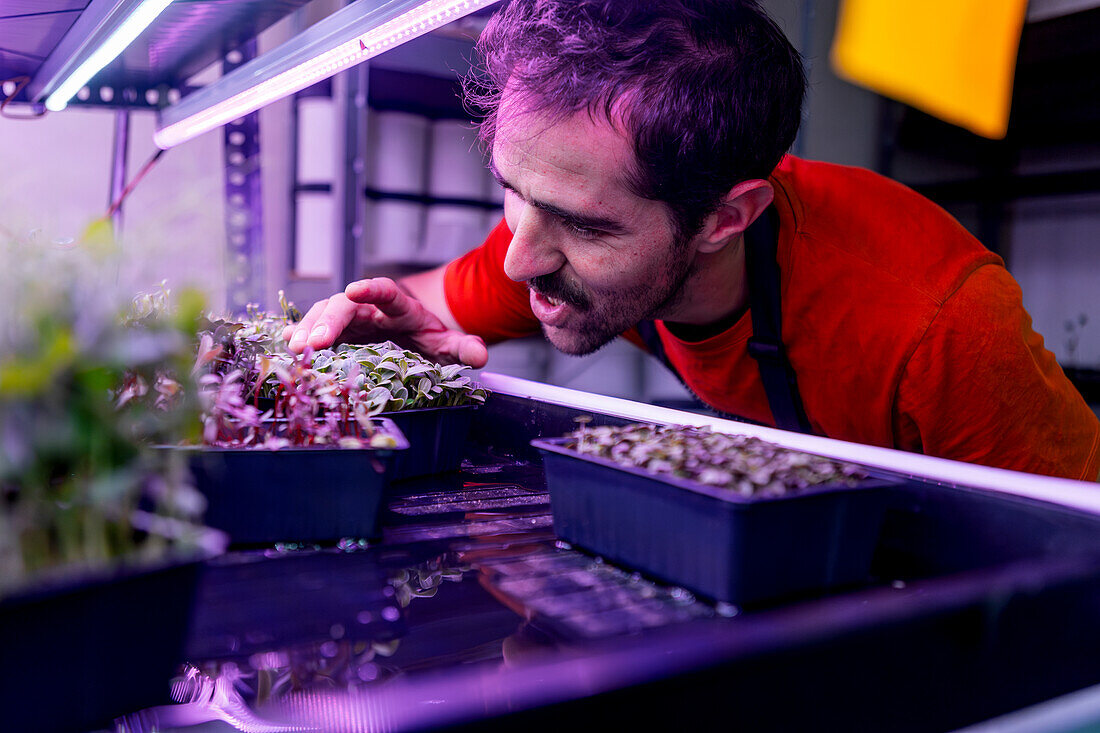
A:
[766, 343]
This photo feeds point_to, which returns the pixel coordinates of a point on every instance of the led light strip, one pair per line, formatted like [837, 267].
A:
[1083, 495]
[405, 27]
[130, 28]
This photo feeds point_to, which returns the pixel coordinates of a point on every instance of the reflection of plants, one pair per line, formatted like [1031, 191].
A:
[337, 664]
[749, 466]
[424, 580]
[270, 677]
[1074, 326]
[84, 380]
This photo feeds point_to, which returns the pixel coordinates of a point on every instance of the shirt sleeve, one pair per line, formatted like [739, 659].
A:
[980, 387]
[484, 300]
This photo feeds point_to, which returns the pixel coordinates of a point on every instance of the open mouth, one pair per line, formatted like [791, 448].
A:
[555, 290]
[551, 311]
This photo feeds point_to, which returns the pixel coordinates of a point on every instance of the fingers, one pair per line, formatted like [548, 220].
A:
[451, 347]
[428, 334]
[296, 335]
[472, 351]
[323, 324]
[384, 294]
[379, 307]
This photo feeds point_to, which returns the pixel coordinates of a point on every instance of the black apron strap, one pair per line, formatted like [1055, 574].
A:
[648, 331]
[766, 344]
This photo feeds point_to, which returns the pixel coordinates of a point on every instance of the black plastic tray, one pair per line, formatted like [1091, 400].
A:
[314, 494]
[79, 654]
[710, 540]
[438, 438]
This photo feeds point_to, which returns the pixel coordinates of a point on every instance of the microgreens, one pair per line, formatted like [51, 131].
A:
[749, 466]
[256, 394]
[398, 379]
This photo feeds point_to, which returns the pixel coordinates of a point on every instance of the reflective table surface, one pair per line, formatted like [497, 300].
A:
[469, 613]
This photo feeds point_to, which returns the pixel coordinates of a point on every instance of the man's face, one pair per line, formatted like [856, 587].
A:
[596, 258]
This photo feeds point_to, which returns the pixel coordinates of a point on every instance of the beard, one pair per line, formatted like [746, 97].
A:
[601, 316]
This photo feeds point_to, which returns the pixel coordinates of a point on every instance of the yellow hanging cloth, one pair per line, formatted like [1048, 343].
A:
[954, 59]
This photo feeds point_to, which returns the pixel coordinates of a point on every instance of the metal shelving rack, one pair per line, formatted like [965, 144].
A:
[960, 625]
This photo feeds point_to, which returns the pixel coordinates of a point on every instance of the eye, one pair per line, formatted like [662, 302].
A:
[581, 232]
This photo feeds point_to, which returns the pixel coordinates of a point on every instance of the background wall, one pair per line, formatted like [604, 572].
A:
[55, 177]
[56, 174]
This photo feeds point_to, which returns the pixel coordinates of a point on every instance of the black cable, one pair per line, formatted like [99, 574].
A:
[133, 184]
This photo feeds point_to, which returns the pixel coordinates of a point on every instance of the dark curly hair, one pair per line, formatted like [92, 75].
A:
[710, 91]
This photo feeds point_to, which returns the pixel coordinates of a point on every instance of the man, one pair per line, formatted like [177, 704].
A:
[641, 147]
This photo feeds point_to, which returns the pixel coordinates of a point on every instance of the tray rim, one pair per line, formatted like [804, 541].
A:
[388, 413]
[557, 446]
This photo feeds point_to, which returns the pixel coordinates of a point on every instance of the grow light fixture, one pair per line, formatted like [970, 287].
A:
[119, 23]
[348, 37]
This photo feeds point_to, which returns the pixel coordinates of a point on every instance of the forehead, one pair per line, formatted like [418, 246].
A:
[587, 153]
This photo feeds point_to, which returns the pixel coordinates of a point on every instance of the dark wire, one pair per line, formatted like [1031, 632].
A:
[20, 82]
[133, 184]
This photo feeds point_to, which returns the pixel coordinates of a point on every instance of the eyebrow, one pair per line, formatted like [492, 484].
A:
[584, 221]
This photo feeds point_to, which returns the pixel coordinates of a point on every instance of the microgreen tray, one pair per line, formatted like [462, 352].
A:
[714, 541]
[296, 494]
[437, 439]
[111, 639]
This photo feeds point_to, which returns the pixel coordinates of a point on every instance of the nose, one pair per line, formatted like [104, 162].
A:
[533, 250]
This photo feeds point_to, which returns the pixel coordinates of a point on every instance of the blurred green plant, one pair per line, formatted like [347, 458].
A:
[86, 377]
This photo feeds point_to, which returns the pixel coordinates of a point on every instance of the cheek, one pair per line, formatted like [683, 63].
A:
[604, 269]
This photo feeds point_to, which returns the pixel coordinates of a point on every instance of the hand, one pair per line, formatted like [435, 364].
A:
[378, 309]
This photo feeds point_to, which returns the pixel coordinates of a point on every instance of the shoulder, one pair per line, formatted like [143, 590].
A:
[867, 265]
[861, 220]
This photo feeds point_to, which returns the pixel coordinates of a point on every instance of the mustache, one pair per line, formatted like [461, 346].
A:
[557, 287]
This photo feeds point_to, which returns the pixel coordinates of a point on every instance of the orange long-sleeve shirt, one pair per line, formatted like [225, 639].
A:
[903, 329]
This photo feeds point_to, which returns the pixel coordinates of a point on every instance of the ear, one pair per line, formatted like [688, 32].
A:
[739, 208]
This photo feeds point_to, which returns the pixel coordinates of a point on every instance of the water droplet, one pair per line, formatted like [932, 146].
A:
[390, 613]
[329, 649]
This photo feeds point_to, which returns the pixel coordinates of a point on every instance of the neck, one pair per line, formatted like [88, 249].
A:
[716, 293]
